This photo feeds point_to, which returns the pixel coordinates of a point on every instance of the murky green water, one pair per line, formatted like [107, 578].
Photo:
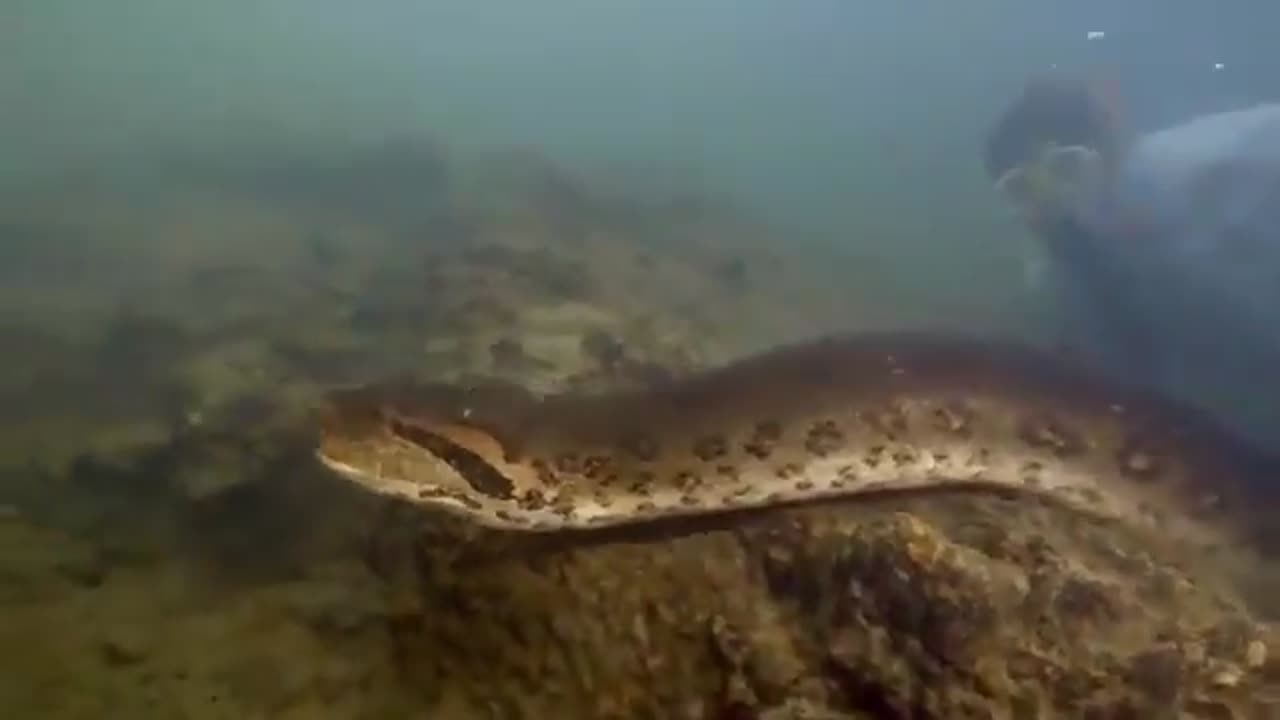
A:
[212, 215]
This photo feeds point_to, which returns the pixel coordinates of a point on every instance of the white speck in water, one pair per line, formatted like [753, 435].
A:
[1218, 66]
[1095, 35]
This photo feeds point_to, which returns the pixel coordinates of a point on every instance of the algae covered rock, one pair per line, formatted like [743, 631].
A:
[931, 610]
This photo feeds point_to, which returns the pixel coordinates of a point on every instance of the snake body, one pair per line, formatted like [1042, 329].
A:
[835, 416]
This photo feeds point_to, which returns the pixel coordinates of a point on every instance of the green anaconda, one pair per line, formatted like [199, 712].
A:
[838, 416]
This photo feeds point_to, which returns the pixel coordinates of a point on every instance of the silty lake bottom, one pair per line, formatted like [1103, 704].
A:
[171, 548]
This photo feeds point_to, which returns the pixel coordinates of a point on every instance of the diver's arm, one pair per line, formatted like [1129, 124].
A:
[1101, 302]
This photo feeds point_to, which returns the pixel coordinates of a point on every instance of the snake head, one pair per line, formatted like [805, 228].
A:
[450, 445]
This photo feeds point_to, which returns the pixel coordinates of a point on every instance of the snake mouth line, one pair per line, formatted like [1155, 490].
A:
[471, 467]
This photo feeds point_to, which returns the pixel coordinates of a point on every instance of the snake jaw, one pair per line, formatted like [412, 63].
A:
[427, 445]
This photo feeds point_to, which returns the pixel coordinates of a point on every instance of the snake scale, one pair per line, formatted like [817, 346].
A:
[839, 416]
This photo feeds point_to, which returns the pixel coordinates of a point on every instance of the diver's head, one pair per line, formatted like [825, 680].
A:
[1051, 152]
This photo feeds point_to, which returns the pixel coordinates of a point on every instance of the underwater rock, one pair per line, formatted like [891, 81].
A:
[123, 647]
[509, 356]
[605, 348]
[86, 570]
[611, 365]
[141, 343]
[910, 614]
[210, 472]
[526, 177]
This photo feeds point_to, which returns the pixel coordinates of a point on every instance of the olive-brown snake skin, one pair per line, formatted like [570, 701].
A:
[834, 417]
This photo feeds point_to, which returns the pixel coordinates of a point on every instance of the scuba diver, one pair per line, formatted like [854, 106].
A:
[1163, 248]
